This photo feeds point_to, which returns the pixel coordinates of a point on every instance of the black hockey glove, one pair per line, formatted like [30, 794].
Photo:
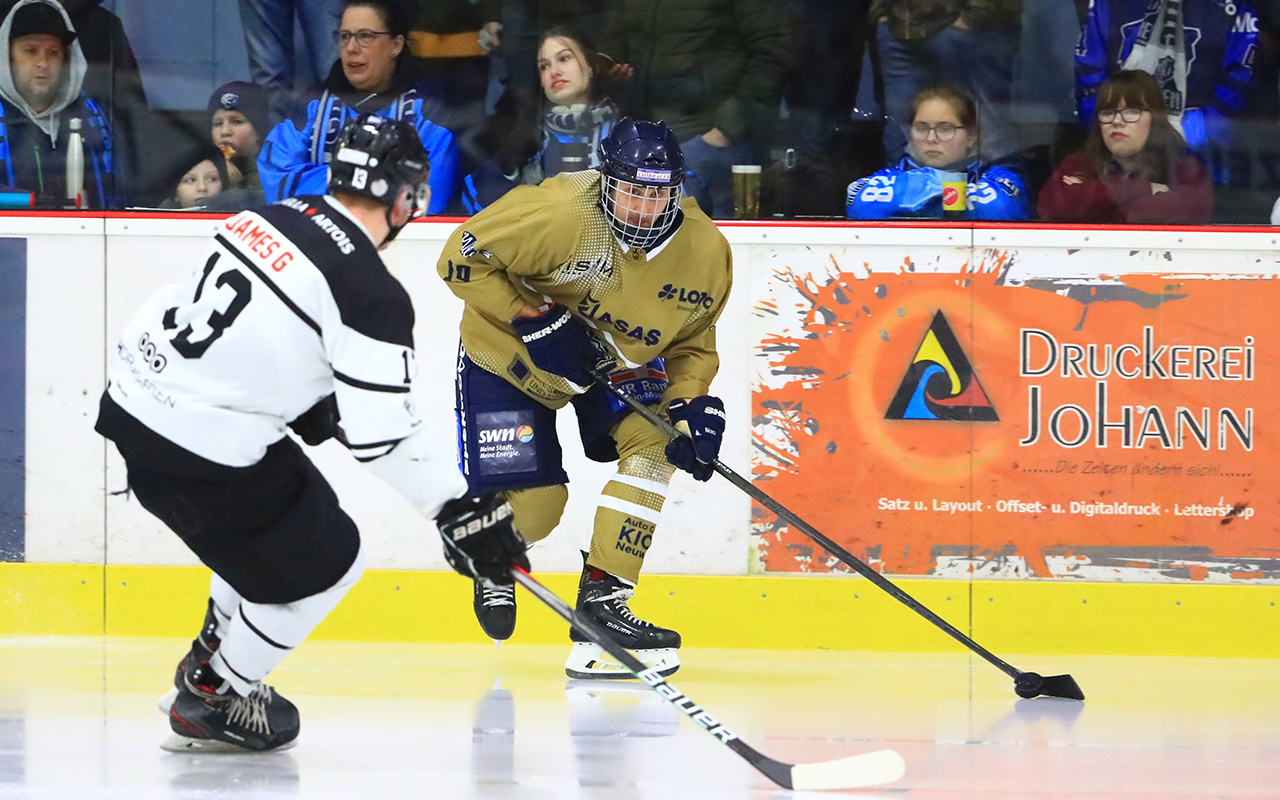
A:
[558, 343]
[703, 419]
[318, 423]
[480, 538]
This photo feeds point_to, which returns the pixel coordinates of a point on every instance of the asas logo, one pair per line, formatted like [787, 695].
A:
[589, 307]
[690, 296]
[940, 383]
[520, 433]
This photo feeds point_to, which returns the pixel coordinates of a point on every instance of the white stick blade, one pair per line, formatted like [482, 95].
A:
[868, 769]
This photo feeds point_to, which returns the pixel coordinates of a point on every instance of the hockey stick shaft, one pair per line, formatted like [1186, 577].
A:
[655, 681]
[865, 770]
[813, 533]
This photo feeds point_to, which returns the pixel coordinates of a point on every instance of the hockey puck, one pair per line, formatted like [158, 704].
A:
[1028, 684]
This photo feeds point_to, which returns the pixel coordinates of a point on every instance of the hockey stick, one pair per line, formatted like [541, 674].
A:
[1026, 684]
[868, 769]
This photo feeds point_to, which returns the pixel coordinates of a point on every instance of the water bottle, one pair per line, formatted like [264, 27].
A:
[75, 164]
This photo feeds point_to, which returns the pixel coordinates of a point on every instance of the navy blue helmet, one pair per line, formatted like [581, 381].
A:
[642, 170]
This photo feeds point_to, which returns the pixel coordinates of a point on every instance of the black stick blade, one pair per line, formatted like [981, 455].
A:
[1029, 684]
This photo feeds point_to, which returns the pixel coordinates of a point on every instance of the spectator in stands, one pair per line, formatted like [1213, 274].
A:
[713, 70]
[237, 122]
[561, 138]
[971, 42]
[1215, 63]
[196, 175]
[1134, 166]
[373, 74]
[519, 36]
[944, 138]
[269, 38]
[114, 80]
[40, 93]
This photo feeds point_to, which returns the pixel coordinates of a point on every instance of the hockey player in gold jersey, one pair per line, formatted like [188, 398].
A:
[612, 262]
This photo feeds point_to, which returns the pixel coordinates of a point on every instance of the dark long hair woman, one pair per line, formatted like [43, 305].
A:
[1134, 166]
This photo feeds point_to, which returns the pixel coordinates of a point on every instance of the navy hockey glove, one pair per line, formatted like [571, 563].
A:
[703, 419]
[480, 538]
[558, 343]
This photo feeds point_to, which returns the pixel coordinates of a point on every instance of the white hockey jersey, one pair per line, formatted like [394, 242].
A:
[292, 304]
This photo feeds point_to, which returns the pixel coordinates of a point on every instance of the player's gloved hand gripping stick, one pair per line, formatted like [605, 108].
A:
[558, 343]
[700, 422]
[1026, 684]
[480, 538]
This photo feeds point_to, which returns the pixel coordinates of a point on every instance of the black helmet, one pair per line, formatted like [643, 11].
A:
[374, 156]
[644, 154]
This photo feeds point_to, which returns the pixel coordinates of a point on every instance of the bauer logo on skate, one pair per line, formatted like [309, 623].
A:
[691, 709]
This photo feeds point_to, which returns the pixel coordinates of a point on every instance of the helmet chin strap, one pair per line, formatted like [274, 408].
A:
[392, 230]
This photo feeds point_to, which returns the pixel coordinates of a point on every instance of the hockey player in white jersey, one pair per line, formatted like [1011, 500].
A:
[291, 320]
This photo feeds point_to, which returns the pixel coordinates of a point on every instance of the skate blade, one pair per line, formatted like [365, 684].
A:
[176, 743]
[166, 701]
[589, 661]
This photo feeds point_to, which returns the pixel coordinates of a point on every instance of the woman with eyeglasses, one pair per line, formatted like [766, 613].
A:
[373, 74]
[1134, 167]
[942, 137]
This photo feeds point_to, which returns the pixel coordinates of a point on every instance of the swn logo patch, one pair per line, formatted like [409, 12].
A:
[940, 383]
[589, 307]
[521, 433]
[691, 296]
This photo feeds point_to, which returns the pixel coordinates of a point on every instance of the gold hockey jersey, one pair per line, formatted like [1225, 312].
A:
[552, 242]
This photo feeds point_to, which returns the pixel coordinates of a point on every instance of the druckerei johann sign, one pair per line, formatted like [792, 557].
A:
[984, 417]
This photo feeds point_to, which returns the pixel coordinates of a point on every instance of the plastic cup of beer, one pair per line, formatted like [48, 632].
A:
[746, 191]
[955, 191]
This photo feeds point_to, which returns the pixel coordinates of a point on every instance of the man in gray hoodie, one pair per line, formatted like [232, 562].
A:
[40, 93]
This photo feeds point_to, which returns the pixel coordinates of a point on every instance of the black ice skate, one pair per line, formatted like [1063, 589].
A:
[209, 717]
[603, 598]
[496, 609]
[202, 649]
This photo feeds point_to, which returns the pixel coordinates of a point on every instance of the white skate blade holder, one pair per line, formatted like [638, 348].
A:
[185, 744]
[589, 661]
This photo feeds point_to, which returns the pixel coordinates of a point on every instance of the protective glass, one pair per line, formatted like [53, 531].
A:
[364, 37]
[641, 214]
[945, 131]
[1107, 115]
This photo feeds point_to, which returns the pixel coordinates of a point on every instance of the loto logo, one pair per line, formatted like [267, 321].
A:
[519, 433]
[950, 196]
[691, 296]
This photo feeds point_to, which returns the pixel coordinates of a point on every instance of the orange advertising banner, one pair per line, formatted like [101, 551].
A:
[963, 422]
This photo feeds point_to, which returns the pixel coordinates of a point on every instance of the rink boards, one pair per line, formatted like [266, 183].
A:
[879, 380]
